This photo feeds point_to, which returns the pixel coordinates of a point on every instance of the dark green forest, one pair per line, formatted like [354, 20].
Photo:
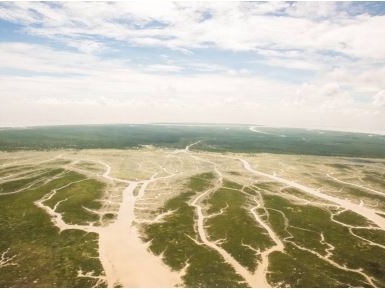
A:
[223, 138]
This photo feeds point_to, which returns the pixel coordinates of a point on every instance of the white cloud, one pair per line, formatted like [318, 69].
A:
[86, 46]
[93, 77]
[231, 25]
[320, 96]
[162, 68]
[294, 63]
[344, 54]
[313, 9]
[39, 58]
[361, 76]
[379, 99]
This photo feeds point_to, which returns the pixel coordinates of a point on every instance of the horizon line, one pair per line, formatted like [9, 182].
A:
[334, 129]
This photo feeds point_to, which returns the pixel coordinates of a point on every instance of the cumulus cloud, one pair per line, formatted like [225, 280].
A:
[379, 99]
[314, 9]
[319, 96]
[341, 55]
[186, 25]
[95, 78]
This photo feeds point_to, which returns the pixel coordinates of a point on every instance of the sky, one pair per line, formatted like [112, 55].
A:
[291, 64]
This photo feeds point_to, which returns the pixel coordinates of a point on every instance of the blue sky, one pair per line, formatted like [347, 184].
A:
[301, 64]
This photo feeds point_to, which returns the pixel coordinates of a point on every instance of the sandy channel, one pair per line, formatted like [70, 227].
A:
[125, 258]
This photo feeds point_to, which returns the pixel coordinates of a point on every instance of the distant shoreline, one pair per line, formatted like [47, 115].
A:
[193, 124]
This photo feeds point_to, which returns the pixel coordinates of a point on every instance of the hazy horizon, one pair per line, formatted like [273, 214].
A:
[317, 65]
[331, 128]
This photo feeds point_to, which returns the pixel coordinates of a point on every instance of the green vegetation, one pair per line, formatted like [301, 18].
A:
[58, 162]
[15, 185]
[93, 167]
[297, 268]
[236, 225]
[372, 235]
[13, 170]
[375, 178]
[299, 194]
[267, 185]
[340, 166]
[350, 218]
[174, 239]
[305, 268]
[43, 256]
[108, 217]
[75, 198]
[353, 192]
[234, 173]
[236, 138]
